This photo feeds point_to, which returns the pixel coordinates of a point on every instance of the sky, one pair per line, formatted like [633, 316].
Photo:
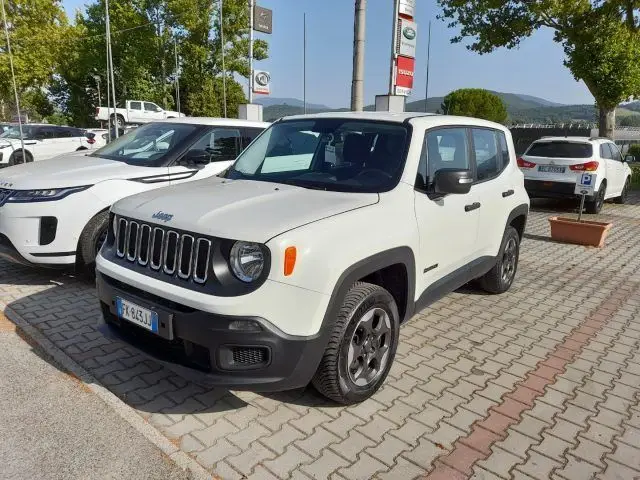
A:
[535, 68]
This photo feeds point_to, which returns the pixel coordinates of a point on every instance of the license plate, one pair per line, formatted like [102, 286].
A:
[142, 317]
[551, 169]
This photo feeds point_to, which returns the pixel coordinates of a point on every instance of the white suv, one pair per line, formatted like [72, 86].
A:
[303, 259]
[552, 165]
[55, 212]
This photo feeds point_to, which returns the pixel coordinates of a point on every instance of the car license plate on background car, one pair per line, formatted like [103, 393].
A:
[551, 169]
[135, 314]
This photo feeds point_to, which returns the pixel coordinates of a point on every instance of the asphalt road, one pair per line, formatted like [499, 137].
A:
[53, 428]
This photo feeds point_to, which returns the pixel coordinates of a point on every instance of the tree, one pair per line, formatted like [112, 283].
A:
[601, 39]
[37, 32]
[475, 102]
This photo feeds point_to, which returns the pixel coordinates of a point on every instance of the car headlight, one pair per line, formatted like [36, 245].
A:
[46, 195]
[247, 261]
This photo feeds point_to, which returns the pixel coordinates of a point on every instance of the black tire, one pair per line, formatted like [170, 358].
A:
[594, 206]
[16, 158]
[500, 278]
[334, 378]
[625, 192]
[94, 233]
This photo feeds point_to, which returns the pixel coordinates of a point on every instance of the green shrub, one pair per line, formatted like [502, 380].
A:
[635, 175]
[635, 151]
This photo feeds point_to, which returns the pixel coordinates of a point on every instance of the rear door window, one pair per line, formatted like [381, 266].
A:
[605, 151]
[560, 150]
[615, 152]
[135, 105]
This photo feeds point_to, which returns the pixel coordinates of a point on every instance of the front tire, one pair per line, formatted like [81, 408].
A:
[625, 192]
[500, 278]
[92, 238]
[362, 346]
[19, 157]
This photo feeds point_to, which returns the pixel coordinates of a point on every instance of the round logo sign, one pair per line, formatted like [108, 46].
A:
[409, 33]
[263, 78]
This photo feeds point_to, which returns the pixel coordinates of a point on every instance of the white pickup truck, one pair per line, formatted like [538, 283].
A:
[136, 111]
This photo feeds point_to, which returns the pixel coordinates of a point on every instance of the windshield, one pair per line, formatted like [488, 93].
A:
[147, 145]
[327, 154]
[13, 132]
[560, 150]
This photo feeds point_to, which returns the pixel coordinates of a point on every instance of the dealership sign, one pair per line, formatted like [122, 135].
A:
[406, 35]
[261, 82]
[262, 19]
[408, 8]
[405, 67]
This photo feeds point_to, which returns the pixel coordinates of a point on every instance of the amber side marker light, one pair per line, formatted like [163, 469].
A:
[289, 260]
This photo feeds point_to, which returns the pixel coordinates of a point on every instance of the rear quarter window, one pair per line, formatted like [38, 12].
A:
[560, 150]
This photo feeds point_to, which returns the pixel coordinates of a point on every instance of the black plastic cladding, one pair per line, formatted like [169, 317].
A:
[221, 281]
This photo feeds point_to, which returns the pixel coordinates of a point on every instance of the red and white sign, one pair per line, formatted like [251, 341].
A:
[405, 67]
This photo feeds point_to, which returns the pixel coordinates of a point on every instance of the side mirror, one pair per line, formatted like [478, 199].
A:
[629, 158]
[197, 157]
[452, 181]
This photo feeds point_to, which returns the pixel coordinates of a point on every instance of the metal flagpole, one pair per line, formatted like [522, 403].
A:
[13, 77]
[110, 60]
[224, 70]
[250, 51]
[175, 51]
[108, 95]
[426, 93]
[304, 61]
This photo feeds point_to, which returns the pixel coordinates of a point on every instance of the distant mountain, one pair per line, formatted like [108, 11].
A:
[292, 102]
[521, 109]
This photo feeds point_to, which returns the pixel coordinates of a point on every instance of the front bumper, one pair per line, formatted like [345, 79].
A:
[202, 347]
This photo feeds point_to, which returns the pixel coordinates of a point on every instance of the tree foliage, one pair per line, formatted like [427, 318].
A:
[601, 39]
[630, 121]
[61, 66]
[475, 102]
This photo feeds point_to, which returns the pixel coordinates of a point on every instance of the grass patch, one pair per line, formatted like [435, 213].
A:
[635, 176]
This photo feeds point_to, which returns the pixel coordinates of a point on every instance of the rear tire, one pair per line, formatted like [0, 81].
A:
[594, 206]
[625, 192]
[500, 278]
[118, 120]
[92, 238]
[362, 346]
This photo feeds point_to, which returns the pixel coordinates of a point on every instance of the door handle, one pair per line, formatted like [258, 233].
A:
[508, 193]
[473, 206]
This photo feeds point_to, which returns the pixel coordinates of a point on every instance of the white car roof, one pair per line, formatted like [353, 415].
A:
[427, 120]
[230, 122]
[571, 139]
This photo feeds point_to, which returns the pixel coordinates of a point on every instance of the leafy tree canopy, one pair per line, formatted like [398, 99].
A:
[601, 39]
[475, 102]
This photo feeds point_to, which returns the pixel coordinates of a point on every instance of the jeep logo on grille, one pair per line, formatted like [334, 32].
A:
[164, 217]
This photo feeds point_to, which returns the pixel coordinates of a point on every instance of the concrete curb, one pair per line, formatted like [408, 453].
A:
[122, 409]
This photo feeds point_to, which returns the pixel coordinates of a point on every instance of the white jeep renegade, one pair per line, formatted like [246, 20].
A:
[303, 259]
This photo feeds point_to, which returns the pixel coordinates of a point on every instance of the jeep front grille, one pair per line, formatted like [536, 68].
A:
[164, 250]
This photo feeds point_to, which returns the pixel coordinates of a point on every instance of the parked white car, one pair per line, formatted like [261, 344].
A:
[135, 111]
[56, 212]
[295, 266]
[100, 137]
[552, 165]
[40, 142]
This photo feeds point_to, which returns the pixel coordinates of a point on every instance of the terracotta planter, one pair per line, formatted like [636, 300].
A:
[570, 230]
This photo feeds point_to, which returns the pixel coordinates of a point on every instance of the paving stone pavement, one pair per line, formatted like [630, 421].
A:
[541, 382]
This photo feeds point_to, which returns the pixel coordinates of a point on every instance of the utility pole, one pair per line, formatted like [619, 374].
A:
[394, 44]
[175, 52]
[426, 90]
[250, 51]
[110, 64]
[357, 83]
[224, 70]
[13, 77]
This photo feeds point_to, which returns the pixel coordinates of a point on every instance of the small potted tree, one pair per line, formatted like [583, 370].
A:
[578, 231]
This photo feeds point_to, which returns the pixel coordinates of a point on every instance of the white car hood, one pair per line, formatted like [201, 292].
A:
[69, 170]
[239, 209]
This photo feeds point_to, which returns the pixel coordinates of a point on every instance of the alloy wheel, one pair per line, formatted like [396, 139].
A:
[509, 261]
[369, 347]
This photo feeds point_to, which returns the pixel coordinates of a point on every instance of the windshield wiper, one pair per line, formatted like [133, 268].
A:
[303, 184]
